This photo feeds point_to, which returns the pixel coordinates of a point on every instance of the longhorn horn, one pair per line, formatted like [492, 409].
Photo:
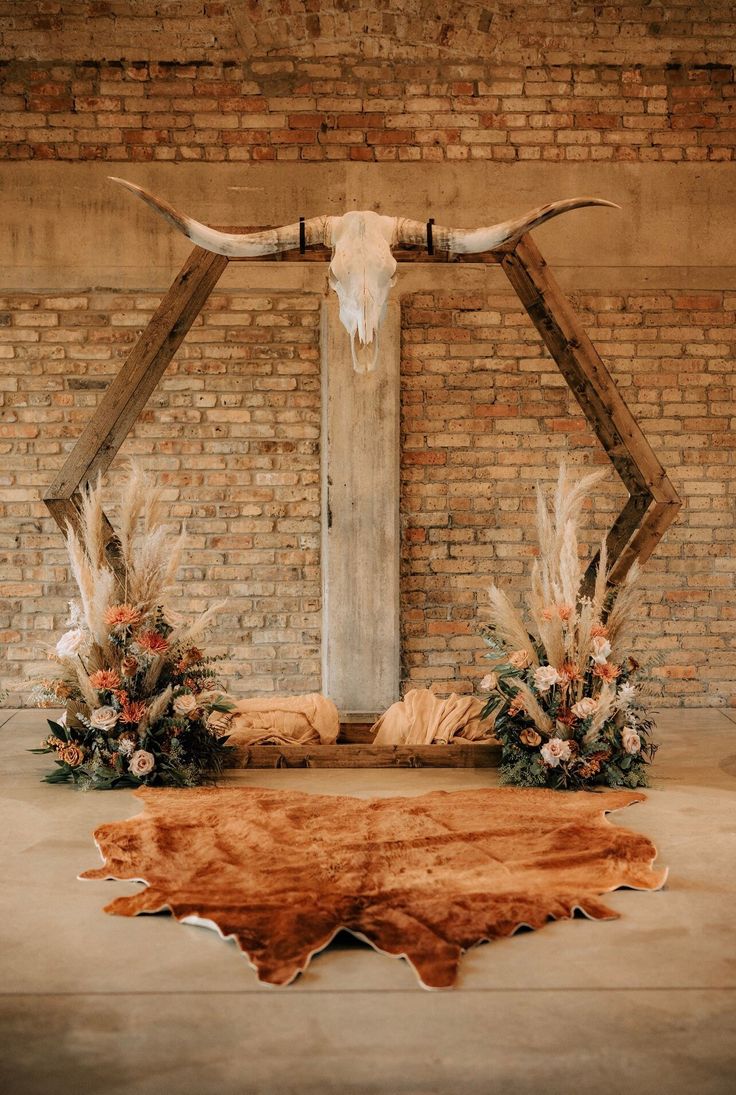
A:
[232, 244]
[471, 241]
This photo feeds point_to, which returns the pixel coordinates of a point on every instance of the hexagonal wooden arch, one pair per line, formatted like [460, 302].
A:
[653, 502]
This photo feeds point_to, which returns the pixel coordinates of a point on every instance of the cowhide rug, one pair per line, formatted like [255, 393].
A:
[426, 878]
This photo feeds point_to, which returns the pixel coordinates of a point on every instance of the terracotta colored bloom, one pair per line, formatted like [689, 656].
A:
[547, 614]
[129, 664]
[530, 737]
[61, 690]
[133, 712]
[72, 754]
[516, 706]
[54, 743]
[104, 679]
[569, 672]
[606, 672]
[189, 657]
[564, 612]
[599, 631]
[122, 616]
[153, 642]
[121, 696]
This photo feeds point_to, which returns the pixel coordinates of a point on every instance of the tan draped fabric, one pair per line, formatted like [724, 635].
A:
[423, 718]
[284, 720]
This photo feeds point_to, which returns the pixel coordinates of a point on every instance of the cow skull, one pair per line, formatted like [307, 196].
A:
[363, 268]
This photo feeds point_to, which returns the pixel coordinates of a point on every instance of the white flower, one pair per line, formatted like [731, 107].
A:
[601, 649]
[555, 750]
[545, 677]
[626, 695]
[141, 763]
[185, 704]
[125, 746]
[630, 740]
[104, 718]
[584, 708]
[70, 643]
[489, 682]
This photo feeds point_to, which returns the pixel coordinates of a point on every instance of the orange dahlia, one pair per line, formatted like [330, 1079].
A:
[153, 642]
[122, 616]
[104, 678]
[133, 711]
[606, 672]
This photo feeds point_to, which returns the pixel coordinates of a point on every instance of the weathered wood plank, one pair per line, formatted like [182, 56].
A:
[601, 402]
[129, 391]
[368, 756]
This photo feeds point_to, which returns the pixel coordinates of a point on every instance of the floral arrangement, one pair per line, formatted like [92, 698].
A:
[568, 699]
[141, 697]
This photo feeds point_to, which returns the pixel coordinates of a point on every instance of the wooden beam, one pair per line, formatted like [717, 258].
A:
[601, 402]
[129, 391]
[367, 756]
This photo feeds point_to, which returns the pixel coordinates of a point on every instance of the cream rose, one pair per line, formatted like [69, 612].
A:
[141, 763]
[520, 659]
[584, 708]
[630, 740]
[530, 737]
[545, 677]
[70, 643]
[185, 704]
[601, 649]
[554, 751]
[488, 682]
[104, 718]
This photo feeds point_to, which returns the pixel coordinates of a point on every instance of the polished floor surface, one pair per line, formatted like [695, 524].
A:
[97, 1004]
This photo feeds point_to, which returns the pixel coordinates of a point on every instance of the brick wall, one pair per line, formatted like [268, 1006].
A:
[234, 427]
[233, 433]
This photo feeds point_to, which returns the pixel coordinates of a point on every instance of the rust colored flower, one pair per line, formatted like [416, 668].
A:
[569, 671]
[61, 690]
[547, 614]
[104, 679]
[122, 616]
[530, 737]
[133, 712]
[189, 657]
[606, 672]
[129, 664]
[72, 754]
[54, 743]
[152, 642]
[599, 631]
[121, 696]
[564, 612]
[516, 706]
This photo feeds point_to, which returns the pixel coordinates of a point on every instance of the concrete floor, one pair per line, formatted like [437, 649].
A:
[91, 1003]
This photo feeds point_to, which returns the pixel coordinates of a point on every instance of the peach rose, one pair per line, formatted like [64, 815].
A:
[104, 718]
[584, 708]
[141, 763]
[530, 737]
[546, 677]
[520, 659]
[630, 740]
[554, 751]
[488, 682]
[185, 704]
